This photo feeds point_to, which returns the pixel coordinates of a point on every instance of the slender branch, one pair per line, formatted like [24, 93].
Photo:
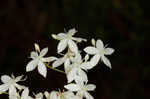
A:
[50, 67]
[4, 93]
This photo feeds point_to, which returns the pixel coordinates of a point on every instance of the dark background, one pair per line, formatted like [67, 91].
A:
[122, 24]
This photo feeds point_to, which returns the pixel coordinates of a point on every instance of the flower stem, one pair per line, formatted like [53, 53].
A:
[4, 93]
[50, 67]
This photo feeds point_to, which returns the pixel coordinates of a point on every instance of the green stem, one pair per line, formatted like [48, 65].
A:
[50, 67]
[4, 93]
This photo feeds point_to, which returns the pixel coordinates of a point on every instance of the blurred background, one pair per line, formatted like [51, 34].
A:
[122, 24]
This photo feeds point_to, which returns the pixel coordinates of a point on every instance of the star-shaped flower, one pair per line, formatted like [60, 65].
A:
[77, 69]
[38, 61]
[10, 84]
[99, 52]
[61, 95]
[67, 39]
[81, 88]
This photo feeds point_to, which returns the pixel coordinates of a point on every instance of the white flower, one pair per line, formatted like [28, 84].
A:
[81, 89]
[66, 60]
[61, 95]
[38, 61]
[10, 83]
[66, 39]
[99, 53]
[77, 69]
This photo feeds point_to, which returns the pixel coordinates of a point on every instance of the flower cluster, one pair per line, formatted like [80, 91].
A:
[75, 68]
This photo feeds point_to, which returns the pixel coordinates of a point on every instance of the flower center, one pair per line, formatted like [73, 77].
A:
[68, 36]
[12, 81]
[101, 52]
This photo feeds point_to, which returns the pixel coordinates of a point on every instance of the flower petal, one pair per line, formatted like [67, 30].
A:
[82, 75]
[20, 87]
[88, 96]
[95, 59]
[61, 36]
[49, 59]
[33, 55]
[12, 90]
[72, 31]
[99, 44]
[90, 87]
[77, 58]
[71, 75]
[43, 52]
[5, 78]
[31, 65]
[78, 39]
[42, 69]
[25, 93]
[73, 47]
[72, 87]
[67, 65]
[58, 62]
[106, 61]
[62, 45]
[108, 51]
[86, 66]
[18, 78]
[4, 87]
[91, 50]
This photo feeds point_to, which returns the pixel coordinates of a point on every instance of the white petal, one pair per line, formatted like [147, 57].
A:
[4, 87]
[62, 45]
[106, 61]
[12, 90]
[77, 58]
[39, 96]
[90, 87]
[86, 65]
[99, 44]
[79, 81]
[72, 31]
[83, 75]
[72, 87]
[43, 52]
[67, 65]
[58, 62]
[47, 95]
[18, 78]
[34, 55]
[95, 59]
[78, 39]
[91, 50]
[61, 36]
[71, 75]
[49, 59]
[31, 65]
[73, 47]
[108, 51]
[20, 87]
[5, 78]
[25, 93]
[88, 96]
[42, 69]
